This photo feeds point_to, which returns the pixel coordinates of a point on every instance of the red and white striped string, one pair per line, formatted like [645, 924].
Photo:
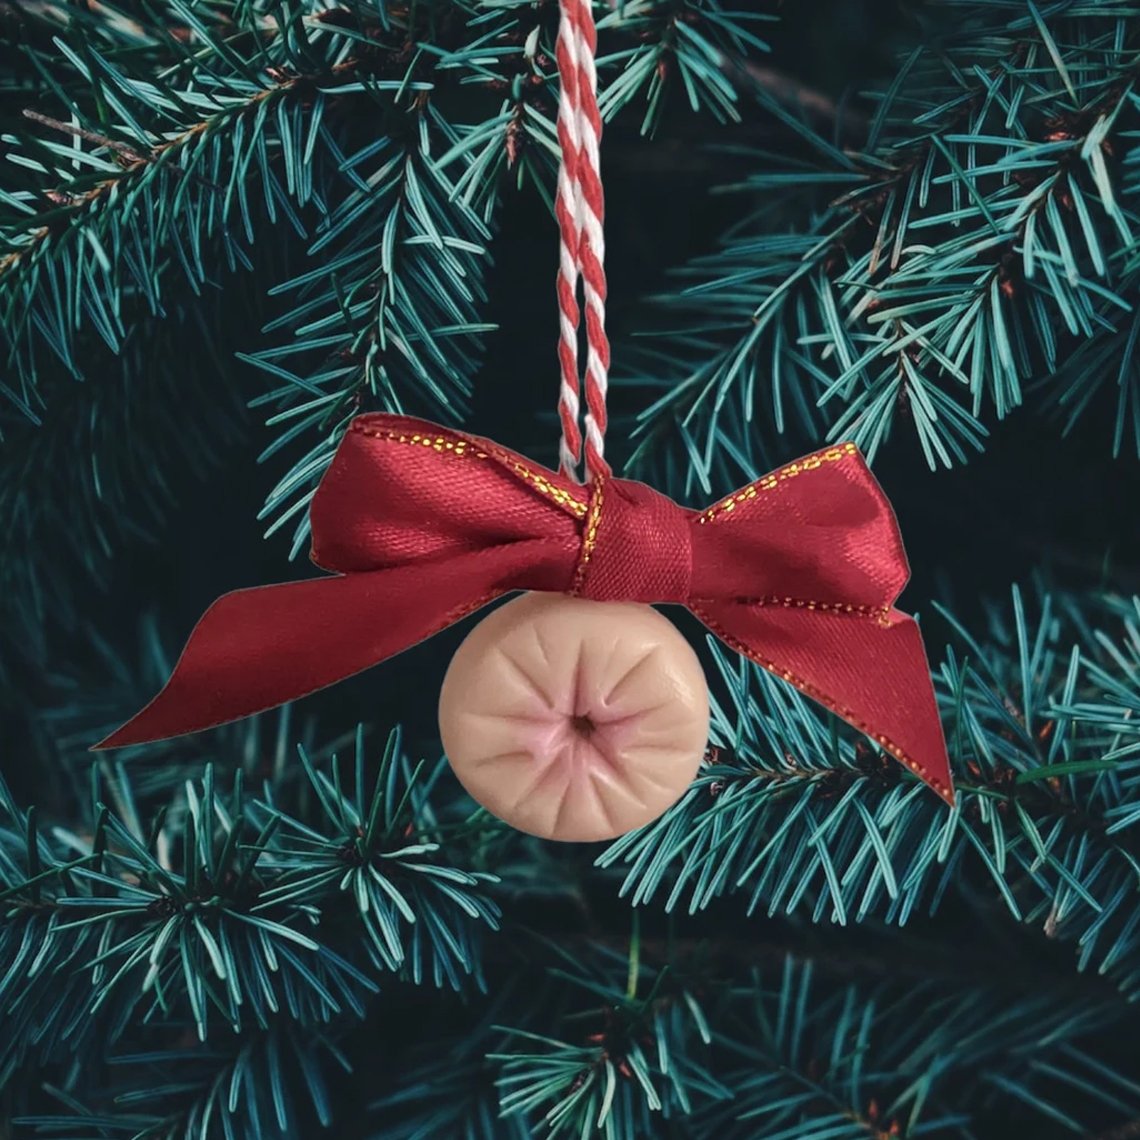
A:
[579, 208]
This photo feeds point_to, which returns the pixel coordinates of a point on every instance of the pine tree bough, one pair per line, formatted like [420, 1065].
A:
[183, 892]
[284, 927]
[977, 245]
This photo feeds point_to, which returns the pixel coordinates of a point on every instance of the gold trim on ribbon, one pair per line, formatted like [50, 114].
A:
[589, 534]
[773, 479]
[459, 445]
[817, 694]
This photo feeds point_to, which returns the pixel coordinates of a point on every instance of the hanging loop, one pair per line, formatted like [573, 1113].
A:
[580, 209]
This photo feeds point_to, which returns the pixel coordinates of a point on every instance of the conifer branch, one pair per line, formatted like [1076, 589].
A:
[800, 818]
[981, 235]
[252, 934]
[560, 1027]
[389, 320]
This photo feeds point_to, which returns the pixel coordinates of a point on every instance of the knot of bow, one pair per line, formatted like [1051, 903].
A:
[422, 525]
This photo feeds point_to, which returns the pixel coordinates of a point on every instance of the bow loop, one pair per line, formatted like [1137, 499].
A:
[401, 491]
[819, 530]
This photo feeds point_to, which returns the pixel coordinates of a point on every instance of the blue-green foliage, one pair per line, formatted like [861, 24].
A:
[977, 238]
[274, 1083]
[242, 949]
[215, 162]
[348, 160]
[697, 43]
[388, 314]
[796, 816]
[776, 1051]
[779, 1050]
[278, 928]
[210, 912]
[648, 1054]
[857, 1063]
[414, 909]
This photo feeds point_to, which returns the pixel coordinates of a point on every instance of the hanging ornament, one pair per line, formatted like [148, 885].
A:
[574, 719]
[575, 712]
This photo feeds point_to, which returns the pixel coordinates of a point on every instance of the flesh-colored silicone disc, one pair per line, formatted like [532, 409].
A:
[573, 719]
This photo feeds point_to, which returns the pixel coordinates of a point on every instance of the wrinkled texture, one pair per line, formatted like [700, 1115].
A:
[423, 525]
[574, 720]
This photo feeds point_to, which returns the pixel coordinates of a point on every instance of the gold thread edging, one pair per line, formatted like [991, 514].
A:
[575, 506]
[589, 536]
[772, 480]
[817, 694]
[464, 447]
[880, 613]
[440, 443]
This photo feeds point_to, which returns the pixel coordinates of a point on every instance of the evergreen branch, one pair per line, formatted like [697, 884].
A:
[239, 139]
[269, 1083]
[513, 57]
[585, 1048]
[1106, 361]
[120, 215]
[983, 233]
[247, 934]
[157, 190]
[638, 1056]
[803, 819]
[60, 271]
[376, 850]
[224, 909]
[687, 43]
[696, 44]
[770, 283]
[128, 153]
[387, 319]
[793, 1055]
[847, 1064]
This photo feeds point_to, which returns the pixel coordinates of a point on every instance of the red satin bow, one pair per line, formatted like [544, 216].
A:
[422, 525]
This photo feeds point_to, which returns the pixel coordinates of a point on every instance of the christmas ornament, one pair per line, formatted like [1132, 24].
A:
[573, 719]
[422, 525]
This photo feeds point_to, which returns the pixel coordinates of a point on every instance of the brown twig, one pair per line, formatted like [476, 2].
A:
[104, 187]
[90, 136]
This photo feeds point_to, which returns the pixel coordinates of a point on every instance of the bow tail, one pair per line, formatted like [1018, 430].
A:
[258, 648]
[872, 672]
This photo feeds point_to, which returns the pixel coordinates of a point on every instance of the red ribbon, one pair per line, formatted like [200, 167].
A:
[423, 525]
